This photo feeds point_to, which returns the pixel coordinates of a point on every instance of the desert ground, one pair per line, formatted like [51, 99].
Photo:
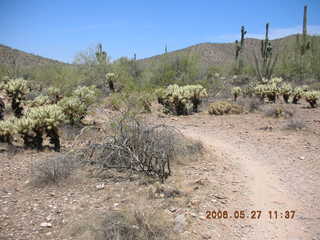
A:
[248, 162]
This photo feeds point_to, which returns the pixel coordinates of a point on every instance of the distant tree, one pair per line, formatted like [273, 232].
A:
[181, 69]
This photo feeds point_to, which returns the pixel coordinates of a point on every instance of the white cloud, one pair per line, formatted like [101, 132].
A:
[273, 33]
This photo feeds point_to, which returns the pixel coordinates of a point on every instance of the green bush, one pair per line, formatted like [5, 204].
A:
[223, 107]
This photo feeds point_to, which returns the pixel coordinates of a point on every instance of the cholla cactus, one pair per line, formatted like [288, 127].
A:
[2, 109]
[38, 121]
[86, 95]
[54, 94]
[236, 91]
[16, 89]
[298, 93]
[312, 97]
[111, 78]
[31, 137]
[269, 89]
[182, 100]
[286, 91]
[195, 93]
[7, 131]
[160, 92]
[73, 109]
[40, 101]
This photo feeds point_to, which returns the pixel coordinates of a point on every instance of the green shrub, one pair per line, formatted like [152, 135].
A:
[16, 89]
[223, 107]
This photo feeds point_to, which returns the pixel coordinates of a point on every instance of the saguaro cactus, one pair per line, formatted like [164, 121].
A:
[265, 68]
[101, 55]
[239, 49]
[303, 44]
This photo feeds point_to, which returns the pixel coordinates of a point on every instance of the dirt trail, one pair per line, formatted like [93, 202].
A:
[267, 188]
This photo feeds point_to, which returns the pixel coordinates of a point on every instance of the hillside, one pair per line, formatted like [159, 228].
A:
[211, 54]
[11, 56]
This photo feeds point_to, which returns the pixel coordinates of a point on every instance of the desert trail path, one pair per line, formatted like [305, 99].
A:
[272, 182]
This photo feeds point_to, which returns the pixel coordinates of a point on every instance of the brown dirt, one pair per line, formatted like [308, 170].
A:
[279, 168]
[250, 163]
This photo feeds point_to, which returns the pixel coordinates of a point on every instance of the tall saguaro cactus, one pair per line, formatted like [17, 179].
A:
[239, 49]
[265, 66]
[266, 47]
[303, 45]
[101, 55]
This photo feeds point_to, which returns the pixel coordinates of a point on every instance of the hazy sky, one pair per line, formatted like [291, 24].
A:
[59, 29]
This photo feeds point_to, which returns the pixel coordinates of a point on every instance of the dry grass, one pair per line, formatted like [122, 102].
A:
[277, 111]
[53, 169]
[137, 225]
[294, 124]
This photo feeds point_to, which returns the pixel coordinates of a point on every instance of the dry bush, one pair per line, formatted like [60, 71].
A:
[223, 107]
[138, 147]
[294, 124]
[133, 226]
[53, 169]
[277, 111]
[252, 104]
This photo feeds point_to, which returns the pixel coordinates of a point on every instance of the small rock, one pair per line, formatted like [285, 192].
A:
[100, 186]
[46, 224]
[180, 223]
[172, 209]
[301, 158]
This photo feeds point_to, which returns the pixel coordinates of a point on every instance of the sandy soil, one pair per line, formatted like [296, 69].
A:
[279, 168]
